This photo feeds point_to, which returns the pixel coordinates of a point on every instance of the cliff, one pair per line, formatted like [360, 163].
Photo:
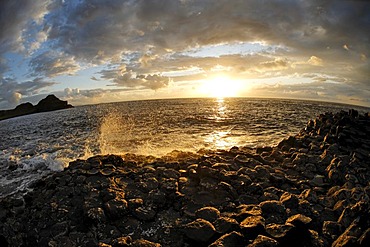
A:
[50, 103]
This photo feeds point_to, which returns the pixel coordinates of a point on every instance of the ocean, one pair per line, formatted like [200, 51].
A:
[34, 145]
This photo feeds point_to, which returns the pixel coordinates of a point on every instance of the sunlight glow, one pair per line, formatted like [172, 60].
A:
[220, 87]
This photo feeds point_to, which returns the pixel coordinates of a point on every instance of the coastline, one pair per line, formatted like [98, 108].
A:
[311, 189]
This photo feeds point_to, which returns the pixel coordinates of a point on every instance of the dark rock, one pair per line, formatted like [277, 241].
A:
[289, 200]
[225, 224]
[279, 231]
[50, 103]
[364, 240]
[345, 241]
[350, 235]
[273, 211]
[299, 221]
[116, 208]
[145, 213]
[252, 226]
[288, 143]
[144, 243]
[20, 110]
[353, 113]
[318, 180]
[96, 214]
[199, 230]
[332, 229]
[263, 241]
[243, 211]
[122, 242]
[208, 213]
[232, 239]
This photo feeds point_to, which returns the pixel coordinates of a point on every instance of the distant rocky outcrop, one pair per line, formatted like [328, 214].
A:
[50, 103]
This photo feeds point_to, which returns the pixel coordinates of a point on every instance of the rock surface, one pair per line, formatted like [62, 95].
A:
[312, 189]
[50, 103]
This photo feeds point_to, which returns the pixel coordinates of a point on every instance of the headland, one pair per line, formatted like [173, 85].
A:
[50, 103]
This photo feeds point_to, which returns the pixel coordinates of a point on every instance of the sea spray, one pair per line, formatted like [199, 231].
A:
[35, 145]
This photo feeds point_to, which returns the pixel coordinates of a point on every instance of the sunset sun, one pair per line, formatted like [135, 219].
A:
[220, 87]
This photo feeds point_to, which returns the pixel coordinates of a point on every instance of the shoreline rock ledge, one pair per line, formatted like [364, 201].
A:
[50, 103]
[311, 189]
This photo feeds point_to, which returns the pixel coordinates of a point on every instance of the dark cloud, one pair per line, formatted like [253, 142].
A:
[15, 18]
[104, 29]
[51, 64]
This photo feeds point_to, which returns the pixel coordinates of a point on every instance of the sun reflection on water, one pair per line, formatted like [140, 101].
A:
[220, 138]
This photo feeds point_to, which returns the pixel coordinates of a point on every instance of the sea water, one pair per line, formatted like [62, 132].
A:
[34, 145]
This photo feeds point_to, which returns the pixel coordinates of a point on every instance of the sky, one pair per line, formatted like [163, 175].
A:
[95, 51]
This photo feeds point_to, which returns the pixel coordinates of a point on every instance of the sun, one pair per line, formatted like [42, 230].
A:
[220, 87]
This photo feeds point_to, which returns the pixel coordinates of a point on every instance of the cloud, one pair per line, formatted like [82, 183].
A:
[317, 90]
[326, 38]
[51, 64]
[71, 91]
[121, 77]
[96, 30]
[277, 64]
[15, 18]
[12, 92]
[316, 61]
[76, 96]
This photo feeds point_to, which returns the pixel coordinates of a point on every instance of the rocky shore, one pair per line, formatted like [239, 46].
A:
[311, 189]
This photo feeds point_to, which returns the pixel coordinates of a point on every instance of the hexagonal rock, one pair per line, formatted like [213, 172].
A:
[208, 213]
[199, 230]
[232, 239]
[299, 220]
[263, 241]
[252, 226]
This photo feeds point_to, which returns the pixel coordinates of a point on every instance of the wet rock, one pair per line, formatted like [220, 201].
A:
[226, 224]
[145, 213]
[286, 144]
[232, 239]
[289, 200]
[273, 211]
[309, 195]
[279, 231]
[332, 229]
[243, 211]
[144, 243]
[364, 240]
[169, 185]
[263, 241]
[199, 230]
[253, 226]
[116, 208]
[208, 213]
[96, 214]
[299, 220]
[352, 212]
[122, 242]
[318, 180]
